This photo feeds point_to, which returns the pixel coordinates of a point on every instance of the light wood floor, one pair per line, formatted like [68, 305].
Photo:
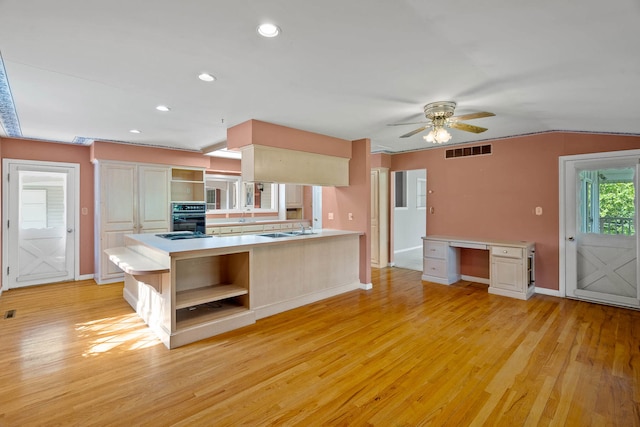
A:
[407, 353]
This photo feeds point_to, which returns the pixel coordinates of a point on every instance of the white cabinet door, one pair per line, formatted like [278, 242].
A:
[133, 199]
[118, 213]
[507, 274]
[153, 199]
[293, 195]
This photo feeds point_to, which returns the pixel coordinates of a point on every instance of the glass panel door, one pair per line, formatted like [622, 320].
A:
[41, 225]
[602, 262]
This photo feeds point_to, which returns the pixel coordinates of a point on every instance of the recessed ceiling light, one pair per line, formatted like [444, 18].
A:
[206, 77]
[268, 30]
[135, 131]
[163, 108]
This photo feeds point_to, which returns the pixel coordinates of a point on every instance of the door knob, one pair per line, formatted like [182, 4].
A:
[69, 230]
[571, 238]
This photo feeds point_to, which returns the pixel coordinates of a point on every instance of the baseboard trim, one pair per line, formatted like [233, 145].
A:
[475, 279]
[545, 291]
[279, 307]
[407, 249]
[366, 286]
[85, 277]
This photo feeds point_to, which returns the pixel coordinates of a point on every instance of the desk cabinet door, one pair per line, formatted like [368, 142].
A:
[507, 273]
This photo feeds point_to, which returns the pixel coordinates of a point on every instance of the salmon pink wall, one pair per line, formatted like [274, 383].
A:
[24, 149]
[381, 160]
[223, 165]
[131, 153]
[340, 201]
[269, 134]
[495, 196]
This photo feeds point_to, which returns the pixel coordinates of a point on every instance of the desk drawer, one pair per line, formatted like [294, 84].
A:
[507, 251]
[435, 249]
[434, 267]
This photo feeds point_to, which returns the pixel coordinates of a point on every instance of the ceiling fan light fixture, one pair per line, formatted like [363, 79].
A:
[430, 137]
[438, 135]
[442, 135]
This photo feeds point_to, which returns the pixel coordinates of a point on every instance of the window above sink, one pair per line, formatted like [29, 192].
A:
[229, 194]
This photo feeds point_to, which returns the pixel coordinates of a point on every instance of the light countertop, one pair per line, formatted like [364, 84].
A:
[176, 247]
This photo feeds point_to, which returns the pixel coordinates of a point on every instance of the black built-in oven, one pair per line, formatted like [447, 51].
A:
[191, 216]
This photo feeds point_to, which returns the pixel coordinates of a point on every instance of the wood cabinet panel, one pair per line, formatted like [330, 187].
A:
[132, 198]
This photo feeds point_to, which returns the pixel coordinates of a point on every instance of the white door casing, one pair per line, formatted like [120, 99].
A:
[375, 211]
[41, 216]
[595, 266]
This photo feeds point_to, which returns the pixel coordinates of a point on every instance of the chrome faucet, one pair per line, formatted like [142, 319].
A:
[301, 227]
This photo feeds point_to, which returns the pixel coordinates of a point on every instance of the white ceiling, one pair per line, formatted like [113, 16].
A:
[344, 68]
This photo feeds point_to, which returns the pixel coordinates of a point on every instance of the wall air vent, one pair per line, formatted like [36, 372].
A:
[477, 150]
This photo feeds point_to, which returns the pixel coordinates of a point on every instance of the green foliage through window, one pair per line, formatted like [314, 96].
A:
[617, 208]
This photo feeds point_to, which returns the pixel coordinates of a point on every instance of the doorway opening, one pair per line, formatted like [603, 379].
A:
[409, 207]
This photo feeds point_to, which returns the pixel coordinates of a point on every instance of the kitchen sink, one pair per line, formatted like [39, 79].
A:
[286, 234]
[276, 235]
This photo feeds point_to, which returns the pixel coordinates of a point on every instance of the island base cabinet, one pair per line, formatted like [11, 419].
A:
[303, 272]
[211, 296]
[144, 293]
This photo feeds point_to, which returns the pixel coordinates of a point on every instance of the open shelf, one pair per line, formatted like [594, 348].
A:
[187, 185]
[193, 175]
[210, 312]
[194, 297]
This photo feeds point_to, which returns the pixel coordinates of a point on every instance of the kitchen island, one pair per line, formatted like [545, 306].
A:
[191, 289]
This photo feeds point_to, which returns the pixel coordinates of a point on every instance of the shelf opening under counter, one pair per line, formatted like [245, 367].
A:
[209, 289]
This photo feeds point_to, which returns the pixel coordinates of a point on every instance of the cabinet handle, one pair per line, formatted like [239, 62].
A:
[505, 251]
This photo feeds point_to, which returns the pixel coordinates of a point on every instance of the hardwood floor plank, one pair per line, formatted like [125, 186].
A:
[404, 353]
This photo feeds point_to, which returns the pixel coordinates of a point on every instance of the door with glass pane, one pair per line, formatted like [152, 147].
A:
[40, 231]
[601, 239]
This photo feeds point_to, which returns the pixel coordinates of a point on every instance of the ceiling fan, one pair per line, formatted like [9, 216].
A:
[441, 116]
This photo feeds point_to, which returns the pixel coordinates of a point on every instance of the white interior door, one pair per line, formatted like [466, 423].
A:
[600, 230]
[40, 208]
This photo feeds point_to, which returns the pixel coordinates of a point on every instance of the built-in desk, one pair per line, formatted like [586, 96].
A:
[512, 263]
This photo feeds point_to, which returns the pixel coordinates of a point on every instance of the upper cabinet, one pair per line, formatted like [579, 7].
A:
[293, 195]
[187, 185]
[270, 164]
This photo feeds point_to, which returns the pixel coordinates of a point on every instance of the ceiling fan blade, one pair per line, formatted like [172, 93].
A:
[403, 124]
[467, 127]
[413, 132]
[479, 115]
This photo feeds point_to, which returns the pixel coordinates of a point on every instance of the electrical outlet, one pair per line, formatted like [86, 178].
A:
[538, 210]
[330, 215]
[350, 216]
